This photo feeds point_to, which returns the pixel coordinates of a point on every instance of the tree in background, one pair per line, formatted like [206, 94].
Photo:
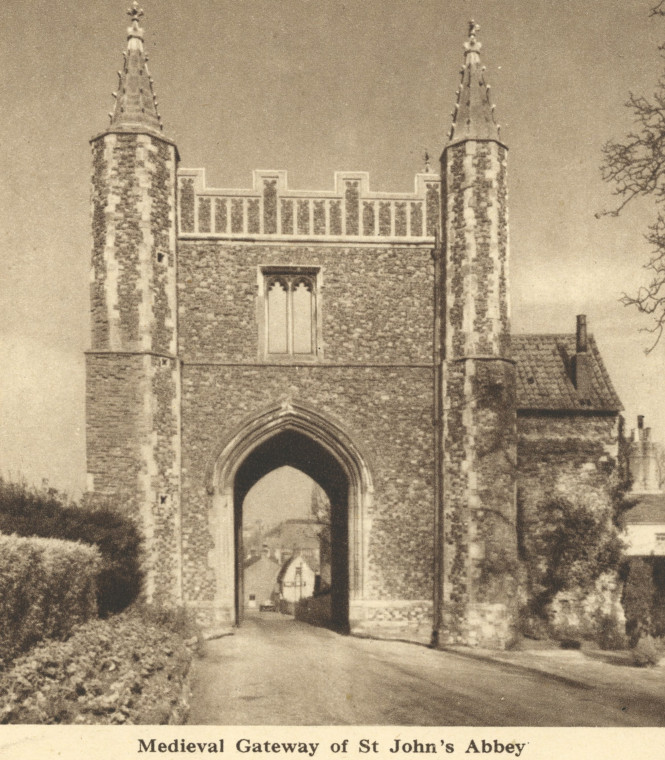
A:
[636, 168]
[637, 601]
[320, 510]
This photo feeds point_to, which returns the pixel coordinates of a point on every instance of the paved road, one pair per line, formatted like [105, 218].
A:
[277, 671]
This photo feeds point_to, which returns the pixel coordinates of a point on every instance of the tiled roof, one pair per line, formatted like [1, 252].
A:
[266, 560]
[303, 534]
[544, 376]
[650, 508]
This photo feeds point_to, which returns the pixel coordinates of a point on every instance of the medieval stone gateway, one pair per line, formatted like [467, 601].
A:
[301, 438]
[362, 337]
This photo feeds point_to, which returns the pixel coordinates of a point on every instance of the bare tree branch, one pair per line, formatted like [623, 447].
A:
[658, 10]
[635, 167]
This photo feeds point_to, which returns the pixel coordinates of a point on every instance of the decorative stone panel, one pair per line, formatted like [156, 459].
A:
[270, 209]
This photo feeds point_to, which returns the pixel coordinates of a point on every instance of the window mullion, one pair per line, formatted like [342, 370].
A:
[312, 321]
[289, 318]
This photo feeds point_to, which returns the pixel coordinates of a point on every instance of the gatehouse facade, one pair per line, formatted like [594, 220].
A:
[362, 337]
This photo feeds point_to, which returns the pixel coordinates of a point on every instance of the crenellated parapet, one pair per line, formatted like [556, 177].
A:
[272, 210]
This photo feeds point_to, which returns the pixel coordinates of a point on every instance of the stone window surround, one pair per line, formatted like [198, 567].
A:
[313, 274]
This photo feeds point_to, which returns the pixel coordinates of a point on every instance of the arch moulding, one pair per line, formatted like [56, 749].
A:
[220, 484]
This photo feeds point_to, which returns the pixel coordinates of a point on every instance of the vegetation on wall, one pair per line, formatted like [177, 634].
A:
[45, 513]
[573, 546]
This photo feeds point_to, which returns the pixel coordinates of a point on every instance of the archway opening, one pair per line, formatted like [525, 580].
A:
[293, 449]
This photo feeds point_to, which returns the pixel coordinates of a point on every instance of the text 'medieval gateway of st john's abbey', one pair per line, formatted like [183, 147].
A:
[361, 337]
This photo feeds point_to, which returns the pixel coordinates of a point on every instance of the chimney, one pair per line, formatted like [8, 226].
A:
[582, 361]
[643, 460]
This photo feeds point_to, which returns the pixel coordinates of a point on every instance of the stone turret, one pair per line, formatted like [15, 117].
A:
[477, 501]
[133, 373]
[133, 197]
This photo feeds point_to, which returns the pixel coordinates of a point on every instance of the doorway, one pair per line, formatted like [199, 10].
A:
[297, 450]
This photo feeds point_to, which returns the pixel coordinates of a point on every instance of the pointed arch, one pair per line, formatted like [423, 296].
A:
[298, 417]
[288, 421]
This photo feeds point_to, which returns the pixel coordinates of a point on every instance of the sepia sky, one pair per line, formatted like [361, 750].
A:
[314, 86]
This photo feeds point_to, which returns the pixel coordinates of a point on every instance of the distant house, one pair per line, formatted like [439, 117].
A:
[296, 581]
[260, 581]
[297, 537]
[645, 521]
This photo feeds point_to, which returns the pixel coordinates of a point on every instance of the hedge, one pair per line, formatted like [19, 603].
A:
[31, 512]
[125, 669]
[47, 587]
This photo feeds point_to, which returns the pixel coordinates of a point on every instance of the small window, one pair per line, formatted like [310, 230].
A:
[252, 597]
[660, 537]
[290, 327]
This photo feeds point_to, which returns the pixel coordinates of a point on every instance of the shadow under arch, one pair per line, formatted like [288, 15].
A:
[294, 435]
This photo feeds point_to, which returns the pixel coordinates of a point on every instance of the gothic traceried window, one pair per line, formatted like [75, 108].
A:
[290, 313]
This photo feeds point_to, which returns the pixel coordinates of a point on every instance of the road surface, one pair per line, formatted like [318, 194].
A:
[277, 671]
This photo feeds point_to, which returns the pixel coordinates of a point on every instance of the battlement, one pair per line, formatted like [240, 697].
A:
[271, 210]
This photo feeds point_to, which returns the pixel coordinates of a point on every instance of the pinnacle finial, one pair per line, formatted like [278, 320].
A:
[472, 45]
[427, 164]
[135, 14]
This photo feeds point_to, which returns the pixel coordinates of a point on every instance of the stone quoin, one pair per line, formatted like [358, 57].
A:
[361, 337]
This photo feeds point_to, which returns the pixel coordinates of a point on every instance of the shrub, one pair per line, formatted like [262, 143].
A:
[610, 636]
[637, 599]
[569, 643]
[178, 620]
[30, 512]
[658, 608]
[120, 670]
[648, 652]
[46, 588]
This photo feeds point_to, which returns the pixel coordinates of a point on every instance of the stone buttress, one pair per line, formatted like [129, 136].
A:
[477, 491]
[132, 371]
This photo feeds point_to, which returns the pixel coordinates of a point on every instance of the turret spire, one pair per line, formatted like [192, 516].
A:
[473, 117]
[136, 104]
